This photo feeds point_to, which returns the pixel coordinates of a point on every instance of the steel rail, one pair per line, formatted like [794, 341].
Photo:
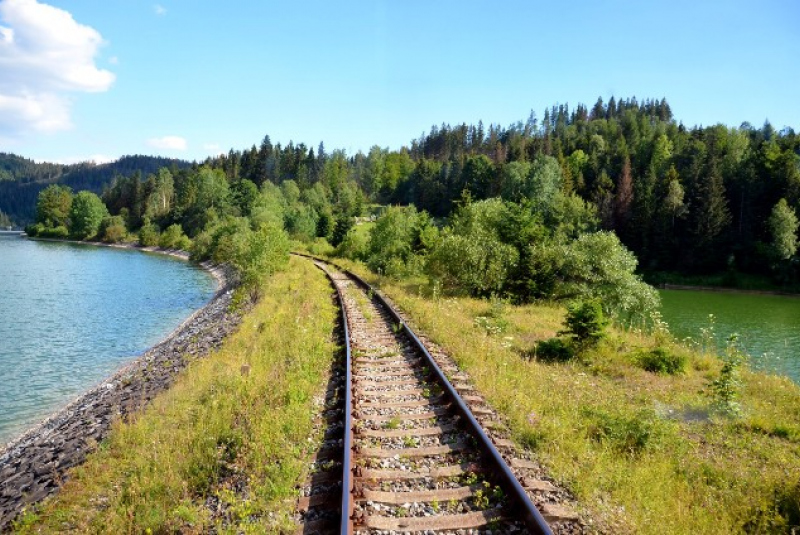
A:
[347, 504]
[530, 515]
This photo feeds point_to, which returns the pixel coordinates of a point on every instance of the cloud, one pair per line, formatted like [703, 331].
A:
[168, 143]
[113, 60]
[44, 56]
[160, 10]
[211, 147]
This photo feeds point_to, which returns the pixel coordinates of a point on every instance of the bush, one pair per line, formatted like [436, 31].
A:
[554, 350]
[260, 253]
[60, 232]
[112, 229]
[660, 360]
[585, 322]
[354, 246]
[594, 266]
[630, 435]
[149, 235]
[174, 238]
[476, 264]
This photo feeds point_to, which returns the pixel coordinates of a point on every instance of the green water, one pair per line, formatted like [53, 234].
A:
[71, 315]
[768, 325]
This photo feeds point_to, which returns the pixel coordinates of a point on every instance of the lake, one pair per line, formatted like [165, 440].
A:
[71, 315]
[768, 325]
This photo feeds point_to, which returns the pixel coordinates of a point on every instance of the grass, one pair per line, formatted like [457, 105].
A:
[233, 429]
[643, 452]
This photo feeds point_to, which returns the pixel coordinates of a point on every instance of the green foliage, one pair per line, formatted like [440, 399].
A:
[556, 349]
[259, 253]
[112, 229]
[725, 390]
[53, 206]
[477, 264]
[149, 234]
[662, 360]
[625, 434]
[586, 323]
[783, 225]
[594, 266]
[395, 240]
[779, 514]
[355, 245]
[174, 238]
[86, 213]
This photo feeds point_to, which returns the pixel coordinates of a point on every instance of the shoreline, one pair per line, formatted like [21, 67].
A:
[33, 465]
[721, 289]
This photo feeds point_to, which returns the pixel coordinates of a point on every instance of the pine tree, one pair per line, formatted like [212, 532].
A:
[623, 198]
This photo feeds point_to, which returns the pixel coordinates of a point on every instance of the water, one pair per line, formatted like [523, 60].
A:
[768, 325]
[71, 315]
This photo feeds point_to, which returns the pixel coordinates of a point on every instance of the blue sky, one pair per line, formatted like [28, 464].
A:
[82, 79]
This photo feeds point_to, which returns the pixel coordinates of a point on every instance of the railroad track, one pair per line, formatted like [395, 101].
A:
[405, 448]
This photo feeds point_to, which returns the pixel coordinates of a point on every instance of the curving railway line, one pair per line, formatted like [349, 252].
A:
[409, 446]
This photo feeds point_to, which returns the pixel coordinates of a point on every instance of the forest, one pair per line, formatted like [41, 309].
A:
[21, 179]
[539, 209]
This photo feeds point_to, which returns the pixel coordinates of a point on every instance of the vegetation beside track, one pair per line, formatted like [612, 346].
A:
[232, 432]
[644, 452]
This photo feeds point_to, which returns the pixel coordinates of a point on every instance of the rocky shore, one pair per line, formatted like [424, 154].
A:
[34, 465]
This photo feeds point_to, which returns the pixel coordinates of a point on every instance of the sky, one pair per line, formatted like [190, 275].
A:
[86, 80]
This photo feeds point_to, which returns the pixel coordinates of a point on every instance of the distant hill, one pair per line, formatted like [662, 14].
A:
[22, 179]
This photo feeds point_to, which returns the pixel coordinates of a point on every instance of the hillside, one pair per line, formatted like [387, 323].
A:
[22, 179]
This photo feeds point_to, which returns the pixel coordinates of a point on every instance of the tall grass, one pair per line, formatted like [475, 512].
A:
[232, 432]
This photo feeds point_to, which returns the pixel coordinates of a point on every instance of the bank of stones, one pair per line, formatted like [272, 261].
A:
[34, 465]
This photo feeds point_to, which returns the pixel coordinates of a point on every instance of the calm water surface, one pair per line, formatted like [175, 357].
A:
[71, 315]
[768, 325]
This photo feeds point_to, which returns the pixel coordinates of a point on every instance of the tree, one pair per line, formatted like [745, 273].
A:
[783, 225]
[86, 213]
[623, 198]
[53, 206]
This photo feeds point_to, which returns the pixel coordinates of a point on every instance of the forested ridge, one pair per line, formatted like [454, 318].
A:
[21, 179]
[694, 200]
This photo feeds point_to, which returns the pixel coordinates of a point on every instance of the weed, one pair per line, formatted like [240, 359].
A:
[393, 423]
[554, 350]
[662, 360]
[481, 499]
[725, 390]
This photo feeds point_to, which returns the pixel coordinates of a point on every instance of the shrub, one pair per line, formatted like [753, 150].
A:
[174, 238]
[554, 350]
[149, 235]
[660, 360]
[725, 390]
[585, 322]
[112, 229]
[354, 246]
[60, 232]
[630, 435]
[476, 264]
[594, 266]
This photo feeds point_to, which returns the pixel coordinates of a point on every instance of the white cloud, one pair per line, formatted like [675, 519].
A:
[159, 9]
[113, 60]
[211, 147]
[44, 55]
[168, 143]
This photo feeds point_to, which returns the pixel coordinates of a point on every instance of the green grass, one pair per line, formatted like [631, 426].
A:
[642, 451]
[220, 427]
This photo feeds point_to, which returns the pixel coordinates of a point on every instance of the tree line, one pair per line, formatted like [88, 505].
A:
[21, 179]
[522, 209]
